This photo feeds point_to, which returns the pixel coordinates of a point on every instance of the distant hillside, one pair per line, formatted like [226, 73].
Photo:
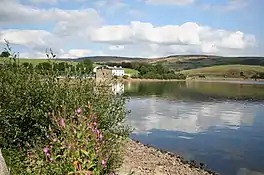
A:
[175, 62]
[192, 62]
[234, 71]
[105, 59]
[182, 62]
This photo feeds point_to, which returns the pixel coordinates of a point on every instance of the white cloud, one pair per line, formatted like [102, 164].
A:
[173, 2]
[209, 48]
[116, 47]
[14, 13]
[118, 34]
[148, 114]
[33, 39]
[186, 37]
[134, 39]
[73, 53]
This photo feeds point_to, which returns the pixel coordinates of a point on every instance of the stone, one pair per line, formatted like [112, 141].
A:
[3, 167]
[144, 160]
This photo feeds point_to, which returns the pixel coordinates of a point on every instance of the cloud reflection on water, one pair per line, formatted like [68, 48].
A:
[190, 117]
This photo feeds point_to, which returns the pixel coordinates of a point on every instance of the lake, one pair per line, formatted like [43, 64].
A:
[218, 124]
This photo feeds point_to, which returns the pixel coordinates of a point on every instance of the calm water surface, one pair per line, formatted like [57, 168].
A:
[219, 124]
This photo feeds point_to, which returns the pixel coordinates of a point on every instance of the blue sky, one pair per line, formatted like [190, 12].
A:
[141, 28]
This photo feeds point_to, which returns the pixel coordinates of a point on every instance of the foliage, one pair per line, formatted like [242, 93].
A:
[5, 54]
[27, 65]
[149, 71]
[79, 148]
[88, 64]
[63, 68]
[157, 71]
[44, 67]
[130, 71]
[125, 77]
[28, 96]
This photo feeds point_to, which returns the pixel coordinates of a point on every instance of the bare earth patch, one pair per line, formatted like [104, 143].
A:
[144, 160]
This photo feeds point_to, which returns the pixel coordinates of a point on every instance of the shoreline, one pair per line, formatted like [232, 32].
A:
[149, 80]
[227, 80]
[143, 159]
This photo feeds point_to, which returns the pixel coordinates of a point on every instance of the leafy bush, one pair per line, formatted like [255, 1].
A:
[79, 148]
[28, 97]
[125, 76]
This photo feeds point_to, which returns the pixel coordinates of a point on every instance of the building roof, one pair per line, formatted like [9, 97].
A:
[107, 67]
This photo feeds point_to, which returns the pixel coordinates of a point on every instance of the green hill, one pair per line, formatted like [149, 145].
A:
[232, 71]
[34, 61]
[192, 62]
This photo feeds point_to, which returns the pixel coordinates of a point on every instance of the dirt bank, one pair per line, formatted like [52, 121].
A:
[145, 160]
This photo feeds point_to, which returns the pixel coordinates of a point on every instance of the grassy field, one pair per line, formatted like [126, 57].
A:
[130, 71]
[35, 61]
[221, 71]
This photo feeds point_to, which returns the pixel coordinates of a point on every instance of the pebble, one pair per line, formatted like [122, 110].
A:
[146, 160]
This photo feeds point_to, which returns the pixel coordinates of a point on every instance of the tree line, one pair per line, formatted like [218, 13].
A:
[84, 67]
[150, 71]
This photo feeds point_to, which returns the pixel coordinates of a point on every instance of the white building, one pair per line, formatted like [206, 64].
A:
[118, 71]
[115, 71]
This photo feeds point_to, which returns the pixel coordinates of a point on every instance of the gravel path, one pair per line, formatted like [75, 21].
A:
[144, 160]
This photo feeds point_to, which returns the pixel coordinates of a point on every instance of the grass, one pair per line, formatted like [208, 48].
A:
[35, 61]
[223, 69]
[130, 71]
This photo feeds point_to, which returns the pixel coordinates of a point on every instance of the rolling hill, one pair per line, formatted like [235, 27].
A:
[246, 71]
[105, 59]
[192, 62]
[184, 62]
[174, 62]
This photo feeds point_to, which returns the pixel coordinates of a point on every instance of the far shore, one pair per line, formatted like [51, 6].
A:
[227, 80]
[151, 80]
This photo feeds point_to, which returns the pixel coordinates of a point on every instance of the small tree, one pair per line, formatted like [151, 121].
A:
[27, 65]
[5, 54]
[88, 65]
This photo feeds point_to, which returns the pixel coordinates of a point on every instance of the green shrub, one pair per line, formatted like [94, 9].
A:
[79, 148]
[28, 97]
[125, 76]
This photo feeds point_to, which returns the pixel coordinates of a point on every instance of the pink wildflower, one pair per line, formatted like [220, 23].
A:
[78, 110]
[94, 123]
[46, 150]
[62, 123]
[97, 131]
[103, 162]
[100, 135]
